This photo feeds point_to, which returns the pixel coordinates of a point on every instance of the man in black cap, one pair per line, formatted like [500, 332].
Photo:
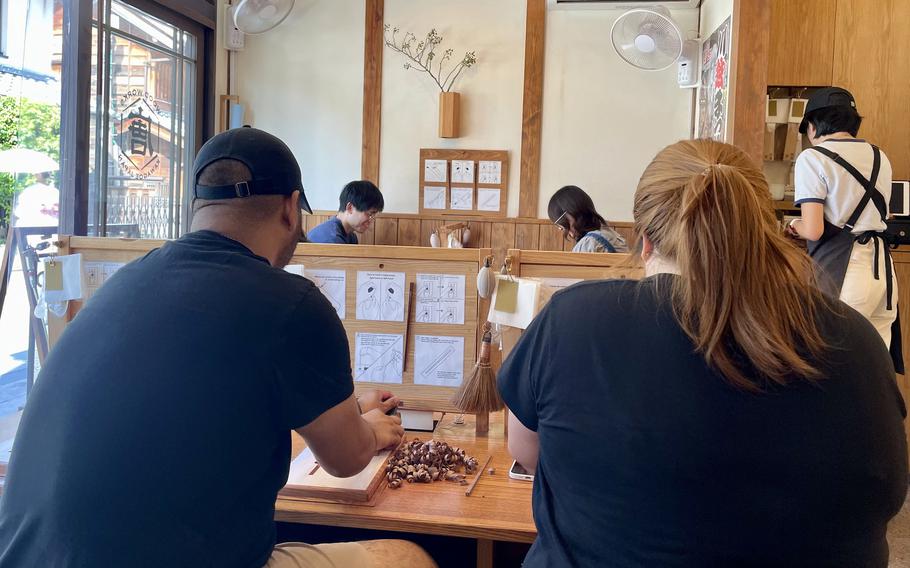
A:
[158, 432]
[843, 187]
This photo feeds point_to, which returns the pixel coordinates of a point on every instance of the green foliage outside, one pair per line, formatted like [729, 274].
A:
[30, 125]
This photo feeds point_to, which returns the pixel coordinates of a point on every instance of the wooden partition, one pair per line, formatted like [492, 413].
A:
[500, 234]
[351, 260]
[573, 265]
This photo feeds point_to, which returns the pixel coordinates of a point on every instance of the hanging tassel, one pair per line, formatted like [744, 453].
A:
[478, 391]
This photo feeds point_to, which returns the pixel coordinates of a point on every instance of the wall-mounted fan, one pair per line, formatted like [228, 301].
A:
[258, 16]
[648, 38]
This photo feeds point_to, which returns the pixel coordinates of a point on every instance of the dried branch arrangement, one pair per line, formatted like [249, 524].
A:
[421, 55]
[426, 462]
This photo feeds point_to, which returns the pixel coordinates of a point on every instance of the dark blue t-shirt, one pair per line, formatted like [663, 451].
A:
[332, 232]
[649, 458]
[158, 432]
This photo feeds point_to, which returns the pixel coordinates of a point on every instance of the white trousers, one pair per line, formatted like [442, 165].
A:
[862, 292]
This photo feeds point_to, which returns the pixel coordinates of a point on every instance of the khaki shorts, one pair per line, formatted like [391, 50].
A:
[333, 555]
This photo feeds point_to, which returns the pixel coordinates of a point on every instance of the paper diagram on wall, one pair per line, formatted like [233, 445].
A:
[378, 357]
[487, 199]
[96, 274]
[380, 296]
[434, 197]
[435, 171]
[332, 284]
[462, 171]
[438, 360]
[462, 198]
[440, 298]
[490, 172]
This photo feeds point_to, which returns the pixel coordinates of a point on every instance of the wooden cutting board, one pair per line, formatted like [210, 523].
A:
[307, 480]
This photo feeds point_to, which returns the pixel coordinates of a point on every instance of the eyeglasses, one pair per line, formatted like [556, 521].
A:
[558, 219]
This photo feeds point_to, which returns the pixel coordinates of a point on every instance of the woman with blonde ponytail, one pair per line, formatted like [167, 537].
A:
[719, 412]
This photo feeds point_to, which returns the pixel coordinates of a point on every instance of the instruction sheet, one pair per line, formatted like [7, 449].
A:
[435, 171]
[332, 284]
[490, 172]
[378, 357]
[434, 197]
[380, 296]
[438, 360]
[440, 298]
[96, 274]
[462, 171]
[487, 199]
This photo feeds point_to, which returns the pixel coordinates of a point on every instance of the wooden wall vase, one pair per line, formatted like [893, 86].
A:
[449, 114]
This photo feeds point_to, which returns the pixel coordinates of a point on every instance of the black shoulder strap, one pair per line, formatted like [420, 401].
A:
[872, 193]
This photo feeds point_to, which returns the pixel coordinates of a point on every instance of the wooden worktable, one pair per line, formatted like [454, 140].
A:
[499, 508]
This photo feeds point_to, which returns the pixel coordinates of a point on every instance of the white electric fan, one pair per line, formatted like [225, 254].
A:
[259, 16]
[647, 38]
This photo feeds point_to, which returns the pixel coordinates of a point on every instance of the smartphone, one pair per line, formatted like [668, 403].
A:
[518, 472]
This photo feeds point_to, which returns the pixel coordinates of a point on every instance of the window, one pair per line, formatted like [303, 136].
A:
[145, 88]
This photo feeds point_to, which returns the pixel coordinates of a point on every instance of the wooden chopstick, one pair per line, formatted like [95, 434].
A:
[476, 479]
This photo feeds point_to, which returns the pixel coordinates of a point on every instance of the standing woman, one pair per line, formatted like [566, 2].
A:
[843, 187]
[572, 210]
[721, 411]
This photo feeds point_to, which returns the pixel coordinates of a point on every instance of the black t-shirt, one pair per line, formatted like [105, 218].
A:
[158, 432]
[649, 458]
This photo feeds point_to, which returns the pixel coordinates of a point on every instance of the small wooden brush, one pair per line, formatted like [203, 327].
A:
[478, 391]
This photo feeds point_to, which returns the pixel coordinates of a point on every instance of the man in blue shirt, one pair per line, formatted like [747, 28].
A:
[358, 205]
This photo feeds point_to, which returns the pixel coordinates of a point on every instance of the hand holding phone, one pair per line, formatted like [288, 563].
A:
[519, 472]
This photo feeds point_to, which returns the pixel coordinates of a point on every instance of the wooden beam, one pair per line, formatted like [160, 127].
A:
[532, 108]
[749, 75]
[372, 90]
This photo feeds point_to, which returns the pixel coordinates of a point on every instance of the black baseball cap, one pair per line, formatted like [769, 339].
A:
[273, 167]
[824, 98]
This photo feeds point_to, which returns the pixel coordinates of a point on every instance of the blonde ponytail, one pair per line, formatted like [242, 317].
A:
[746, 296]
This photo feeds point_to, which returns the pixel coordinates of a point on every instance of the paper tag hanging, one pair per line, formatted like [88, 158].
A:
[506, 296]
[53, 276]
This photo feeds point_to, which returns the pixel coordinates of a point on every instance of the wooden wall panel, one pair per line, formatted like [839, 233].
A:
[801, 48]
[372, 89]
[872, 61]
[502, 238]
[749, 76]
[532, 108]
[551, 238]
[368, 236]
[386, 231]
[527, 236]
[409, 233]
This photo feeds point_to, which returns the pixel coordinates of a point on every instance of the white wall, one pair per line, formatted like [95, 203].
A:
[604, 120]
[303, 82]
[491, 91]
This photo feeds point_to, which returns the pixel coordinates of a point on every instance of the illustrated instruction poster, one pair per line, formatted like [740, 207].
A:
[462, 171]
[380, 296]
[713, 94]
[487, 199]
[440, 298]
[378, 357]
[435, 171]
[434, 197]
[96, 274]
[332, 284]
[438, 360]
[462, 198]
[490, 172]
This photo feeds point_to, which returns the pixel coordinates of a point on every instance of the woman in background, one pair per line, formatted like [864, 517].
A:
[572, 210]
[719, 412]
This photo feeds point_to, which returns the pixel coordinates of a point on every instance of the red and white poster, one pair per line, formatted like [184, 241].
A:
[713, 96]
